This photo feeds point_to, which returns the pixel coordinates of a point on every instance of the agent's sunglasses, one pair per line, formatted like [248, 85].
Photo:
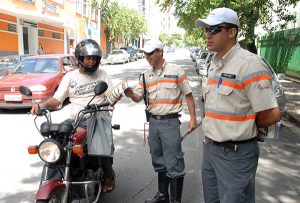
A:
[214, 29]
[151, 53]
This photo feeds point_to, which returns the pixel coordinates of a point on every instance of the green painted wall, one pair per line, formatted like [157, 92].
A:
[282, 50]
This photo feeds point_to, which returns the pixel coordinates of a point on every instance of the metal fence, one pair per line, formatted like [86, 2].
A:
[282, 50]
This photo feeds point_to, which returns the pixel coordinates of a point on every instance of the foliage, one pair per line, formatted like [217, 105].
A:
[173, 39]
[122, 21]
[251, 14]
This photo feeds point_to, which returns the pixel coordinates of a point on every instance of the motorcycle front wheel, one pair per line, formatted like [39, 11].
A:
[56, 198]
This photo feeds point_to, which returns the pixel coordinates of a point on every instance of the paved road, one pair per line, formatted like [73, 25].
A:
[278, 178]
[136, 180]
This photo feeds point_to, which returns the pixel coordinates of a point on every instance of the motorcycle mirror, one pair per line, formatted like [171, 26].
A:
[100, 88]
[25, 90]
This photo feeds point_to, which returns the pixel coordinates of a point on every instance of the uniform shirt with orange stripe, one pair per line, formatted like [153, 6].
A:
[165, 90]
[238, 86]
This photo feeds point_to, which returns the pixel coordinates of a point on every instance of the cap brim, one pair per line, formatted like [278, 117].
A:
[147, 49]
[205, 22]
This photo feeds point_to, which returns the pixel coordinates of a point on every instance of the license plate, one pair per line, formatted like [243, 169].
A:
[11, 97]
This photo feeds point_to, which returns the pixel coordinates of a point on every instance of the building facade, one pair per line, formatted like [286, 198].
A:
[56, 25]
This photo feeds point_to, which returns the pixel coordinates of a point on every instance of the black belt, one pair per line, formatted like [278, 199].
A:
[233, 145]
[168, 116]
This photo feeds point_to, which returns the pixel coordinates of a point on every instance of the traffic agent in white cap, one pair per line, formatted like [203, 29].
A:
[218, 16]
[152, 45]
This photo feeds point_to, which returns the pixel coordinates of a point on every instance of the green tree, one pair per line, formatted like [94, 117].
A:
[122, 21]
[165, 38]
[251, 13]
[173, 39]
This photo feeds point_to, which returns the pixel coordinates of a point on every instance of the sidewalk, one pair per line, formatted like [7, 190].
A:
[278, 175]
[292, 92]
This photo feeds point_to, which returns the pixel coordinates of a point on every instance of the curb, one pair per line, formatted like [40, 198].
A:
[292, 117]
[293, 79]
[289, 114]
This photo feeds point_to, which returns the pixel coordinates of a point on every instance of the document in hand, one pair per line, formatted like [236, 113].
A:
[116, 91]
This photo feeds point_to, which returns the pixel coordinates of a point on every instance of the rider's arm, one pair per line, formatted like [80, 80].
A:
[51, 103]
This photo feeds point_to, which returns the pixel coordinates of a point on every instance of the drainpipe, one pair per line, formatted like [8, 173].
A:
[99, 23]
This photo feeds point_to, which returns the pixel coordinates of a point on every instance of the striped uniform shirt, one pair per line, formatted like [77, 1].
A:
[238, 86]
[165, 89]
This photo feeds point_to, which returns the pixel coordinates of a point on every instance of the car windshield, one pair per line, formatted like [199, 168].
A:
[9, 61]
[116, 52]
[38, 65]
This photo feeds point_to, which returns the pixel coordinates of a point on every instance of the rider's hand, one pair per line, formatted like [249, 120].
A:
[117, 98]
[35, 108]
[128, 92]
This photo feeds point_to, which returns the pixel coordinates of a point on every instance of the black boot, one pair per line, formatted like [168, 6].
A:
[162, 196]
[176, 186]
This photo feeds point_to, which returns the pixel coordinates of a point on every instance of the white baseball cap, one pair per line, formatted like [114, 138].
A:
[218, 16]
[151, 45]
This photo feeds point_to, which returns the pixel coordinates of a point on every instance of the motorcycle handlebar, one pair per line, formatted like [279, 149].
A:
[95, 107]
[41, 112]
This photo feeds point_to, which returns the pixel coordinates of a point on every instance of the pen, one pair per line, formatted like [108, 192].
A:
[219, 82]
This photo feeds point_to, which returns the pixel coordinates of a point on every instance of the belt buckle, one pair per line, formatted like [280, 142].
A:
[231, 146]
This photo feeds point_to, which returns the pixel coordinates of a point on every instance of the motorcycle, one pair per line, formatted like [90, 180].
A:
[64, 151]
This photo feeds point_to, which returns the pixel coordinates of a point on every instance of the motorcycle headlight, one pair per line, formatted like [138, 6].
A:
[50, 151]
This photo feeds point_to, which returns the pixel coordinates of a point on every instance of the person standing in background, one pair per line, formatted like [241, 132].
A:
[40, 50]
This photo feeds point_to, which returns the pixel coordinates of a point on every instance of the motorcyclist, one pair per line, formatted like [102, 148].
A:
[78, 86]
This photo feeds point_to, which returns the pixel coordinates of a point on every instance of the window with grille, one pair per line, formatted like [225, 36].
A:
[55, 35]
[93, 12]
[85, 7]
[41, 33]
[12, 27]
[51, 7]
[78, 3]
[29, 1]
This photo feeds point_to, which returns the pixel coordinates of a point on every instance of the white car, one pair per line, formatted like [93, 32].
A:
[203, 60]
[118, 56]
[140, 54]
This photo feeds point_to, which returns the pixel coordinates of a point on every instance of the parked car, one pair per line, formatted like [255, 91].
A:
[8, 63]
[42, 74]
[169, 49]
[273, 131]
[118, 56]
[132, 51]
[193, 52]
[140, 54]
[203, 56]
